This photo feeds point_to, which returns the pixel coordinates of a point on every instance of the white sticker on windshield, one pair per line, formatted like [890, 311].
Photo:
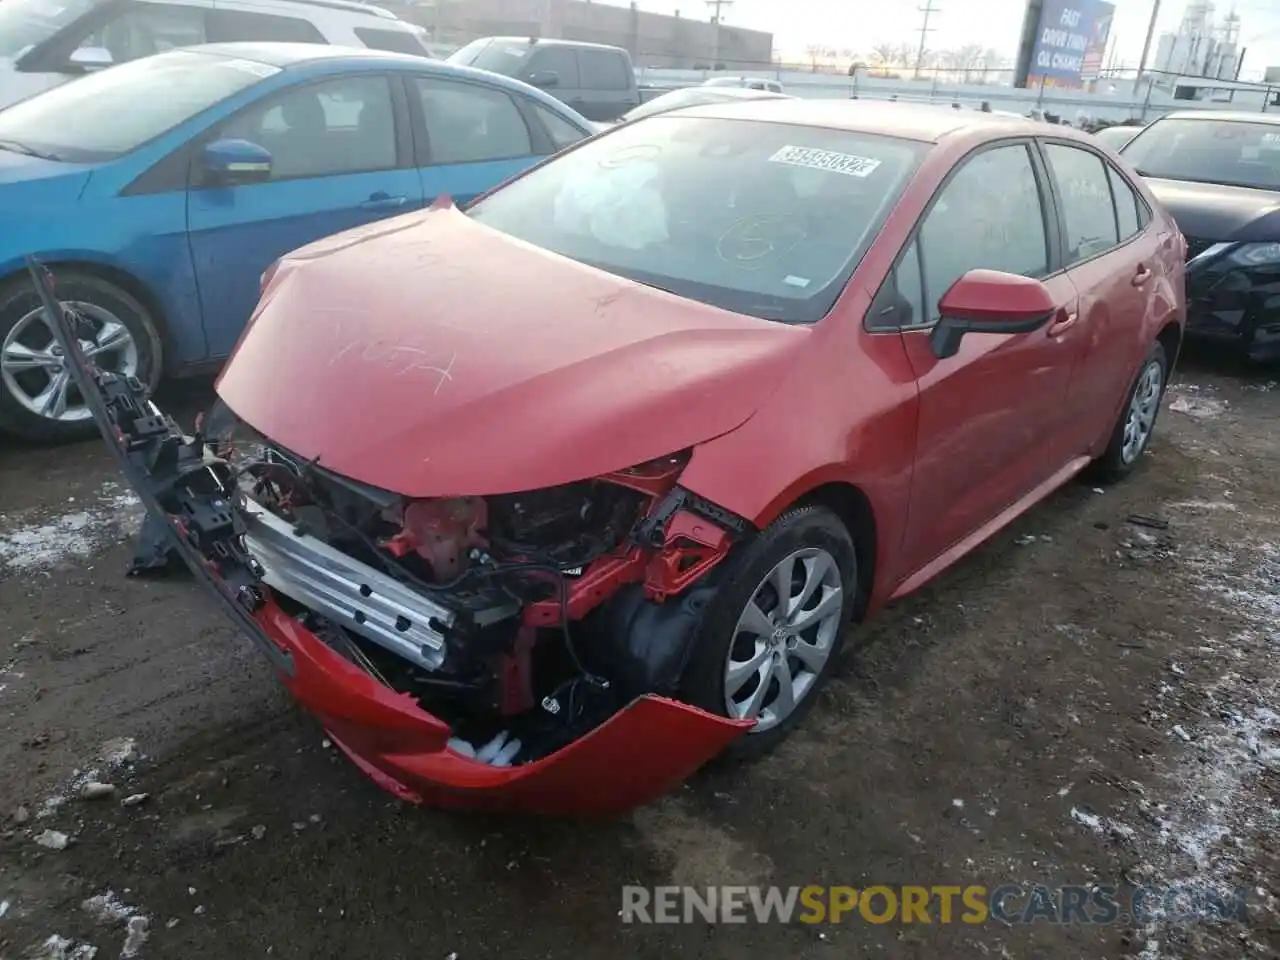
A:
[253, 67]
[793, 281]
[845, 163]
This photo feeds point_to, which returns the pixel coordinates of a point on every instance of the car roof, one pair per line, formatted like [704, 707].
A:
[552, 42]
[1232, 116]
[286, 55]
[281, 54]
[909, 121]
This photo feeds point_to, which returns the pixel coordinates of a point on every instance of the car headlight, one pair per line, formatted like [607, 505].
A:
[1256, 254]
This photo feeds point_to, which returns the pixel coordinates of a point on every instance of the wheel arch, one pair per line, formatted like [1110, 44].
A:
[853, 507]
[1170, 337]
[116, 275]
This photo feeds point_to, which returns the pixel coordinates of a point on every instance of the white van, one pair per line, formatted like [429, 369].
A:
[44, 43]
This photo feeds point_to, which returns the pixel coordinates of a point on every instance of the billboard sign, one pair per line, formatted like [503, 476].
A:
[1065, 34]
[1096, 51]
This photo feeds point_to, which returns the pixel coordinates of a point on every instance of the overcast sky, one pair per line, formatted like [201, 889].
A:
[862, 24]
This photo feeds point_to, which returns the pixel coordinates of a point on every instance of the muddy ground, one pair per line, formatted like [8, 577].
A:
[1085, 700]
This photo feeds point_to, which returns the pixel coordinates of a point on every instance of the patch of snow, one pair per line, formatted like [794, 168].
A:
[53, 840]
[112, 755]
[139, 928]
[1210, 806]
[36, 546]
[60, 948]
[1090, 820]
[1202, 408]
[107, 908]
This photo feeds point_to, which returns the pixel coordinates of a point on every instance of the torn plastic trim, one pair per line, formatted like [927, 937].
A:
[187, 493]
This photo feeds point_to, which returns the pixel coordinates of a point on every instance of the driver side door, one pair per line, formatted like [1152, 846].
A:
[988, 416]
[342, 156]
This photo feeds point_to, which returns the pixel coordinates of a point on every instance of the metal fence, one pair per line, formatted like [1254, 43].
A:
[967, 78]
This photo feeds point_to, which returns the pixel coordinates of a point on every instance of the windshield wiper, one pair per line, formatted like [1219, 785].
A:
[13, 146]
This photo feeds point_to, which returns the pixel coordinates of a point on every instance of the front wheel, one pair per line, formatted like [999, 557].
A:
[1133, 431]
[38, 397]
[773, 631]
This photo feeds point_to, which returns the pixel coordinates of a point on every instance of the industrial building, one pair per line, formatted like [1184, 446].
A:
[692, 41]
[1202, 47]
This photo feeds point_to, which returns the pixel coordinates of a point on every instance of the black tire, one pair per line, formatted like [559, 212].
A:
[1112, 466]
[18, 298]
[704, 679]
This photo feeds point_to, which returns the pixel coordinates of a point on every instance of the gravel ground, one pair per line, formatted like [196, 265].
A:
[1085, 700]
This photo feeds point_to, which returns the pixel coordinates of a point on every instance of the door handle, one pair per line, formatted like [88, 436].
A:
[1142, 276]
[1063, 322]
[384, 201]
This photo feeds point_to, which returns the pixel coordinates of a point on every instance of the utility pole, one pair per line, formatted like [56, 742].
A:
[928, 10]
[1146, 45]
[716, 6]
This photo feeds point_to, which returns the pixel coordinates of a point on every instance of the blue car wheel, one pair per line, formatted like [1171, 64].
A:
[38, 399]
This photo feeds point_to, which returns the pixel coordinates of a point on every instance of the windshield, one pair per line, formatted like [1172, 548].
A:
[1233, 152]
[496, 56]
[106, 115]
[758, 218]
[688, 97]
[25, 23]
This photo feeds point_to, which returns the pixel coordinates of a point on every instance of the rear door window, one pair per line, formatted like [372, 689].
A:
[231, 26]
[603, 70]
[1128, 206]
[1084, 190]
[470, 123]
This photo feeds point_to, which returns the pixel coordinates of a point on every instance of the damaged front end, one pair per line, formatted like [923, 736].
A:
[1233, 294]
[521, 651]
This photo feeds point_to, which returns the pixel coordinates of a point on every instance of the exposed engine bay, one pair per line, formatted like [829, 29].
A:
[523, 620]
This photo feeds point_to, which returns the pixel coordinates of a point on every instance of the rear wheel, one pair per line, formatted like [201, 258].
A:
[38, 398]
[773, 631]
[1137, 422]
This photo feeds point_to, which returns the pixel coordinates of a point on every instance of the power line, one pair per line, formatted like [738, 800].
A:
[928, 10]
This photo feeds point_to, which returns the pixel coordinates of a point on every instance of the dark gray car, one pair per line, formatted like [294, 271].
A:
[596, 80]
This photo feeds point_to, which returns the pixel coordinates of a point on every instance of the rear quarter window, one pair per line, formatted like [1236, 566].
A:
[394, 41]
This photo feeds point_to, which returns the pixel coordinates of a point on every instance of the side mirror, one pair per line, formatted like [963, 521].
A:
[989, 301]
[231, 162]
[544, 79]
[89, 59]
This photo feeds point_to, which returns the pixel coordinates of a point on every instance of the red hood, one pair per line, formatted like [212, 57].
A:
[432, 356]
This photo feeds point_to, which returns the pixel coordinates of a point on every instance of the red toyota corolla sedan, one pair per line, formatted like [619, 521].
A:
[545, 502]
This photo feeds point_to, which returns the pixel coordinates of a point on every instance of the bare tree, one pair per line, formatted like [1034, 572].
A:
[993, 61]
[968, 59]
[904, 53]
[885, 54]
[814, 51]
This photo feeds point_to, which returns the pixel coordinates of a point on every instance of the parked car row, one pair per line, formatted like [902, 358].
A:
[169, 208]
[484, 482]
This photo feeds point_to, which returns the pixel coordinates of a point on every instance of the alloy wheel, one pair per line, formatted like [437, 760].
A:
[1143, 407]
[784, 638]
[34, 371]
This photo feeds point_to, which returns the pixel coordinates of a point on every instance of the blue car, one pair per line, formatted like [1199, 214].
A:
[160, 190]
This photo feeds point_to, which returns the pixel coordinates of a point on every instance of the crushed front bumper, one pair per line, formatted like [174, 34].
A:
[643, 751]
[1235, 304]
